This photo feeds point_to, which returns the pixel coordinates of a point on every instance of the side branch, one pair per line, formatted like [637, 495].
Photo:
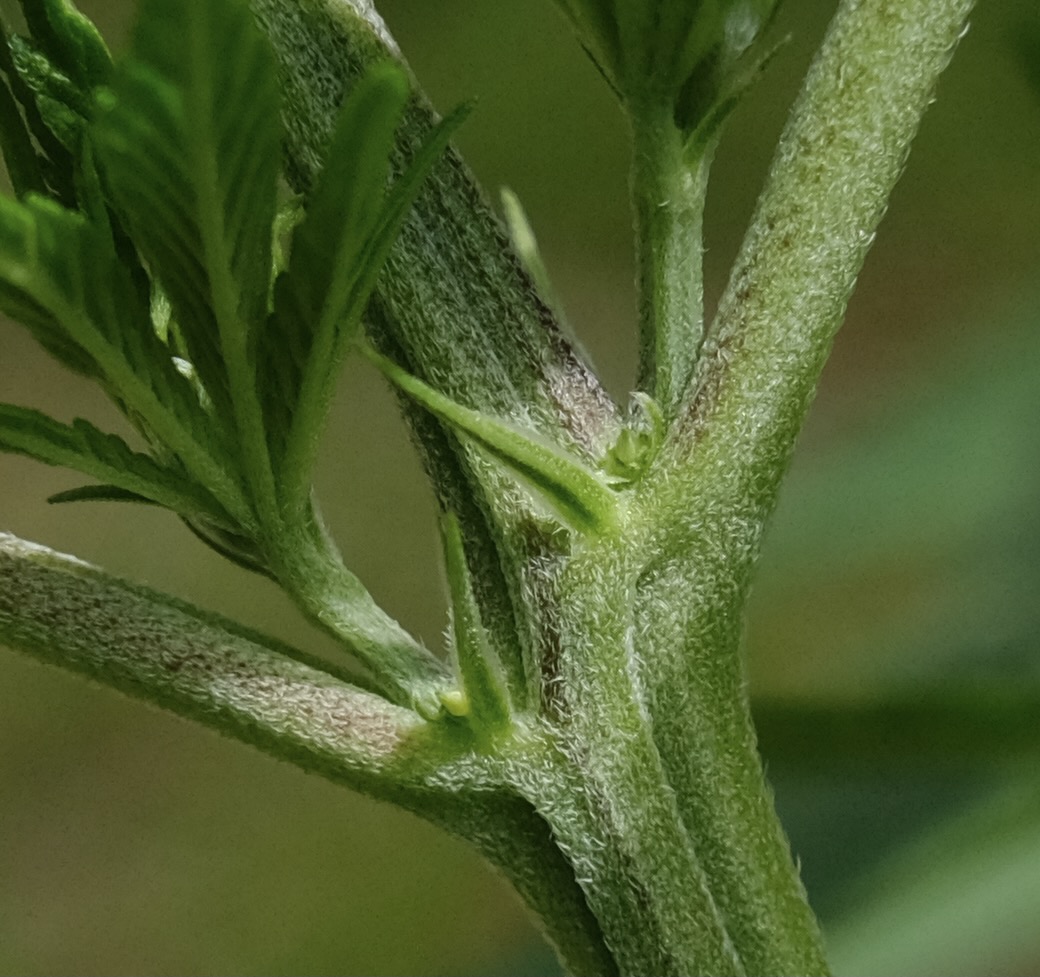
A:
[65, 612]
[843, 150]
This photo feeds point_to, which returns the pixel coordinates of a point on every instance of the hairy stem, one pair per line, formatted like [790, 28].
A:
[64, 612]
[308, 566]
[715, 481]
[67, 613]
[668, 195]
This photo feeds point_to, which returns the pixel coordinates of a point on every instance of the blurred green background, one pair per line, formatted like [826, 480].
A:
[906, 551]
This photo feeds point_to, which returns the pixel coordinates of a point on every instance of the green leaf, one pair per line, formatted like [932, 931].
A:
[97, 493]
[82, 447]
[70, 40]
[958, 727]
[189, 143]
[597, 26]
[62, 105]
[961, 900]
[233, 546]
[337, 254]
[680, 53]
[575, 493]
[23, 165]
[319, 299]
[54, 159]
[34, 280]
[630, 456]
[1027, 47]
[61, 278]
[526, 246]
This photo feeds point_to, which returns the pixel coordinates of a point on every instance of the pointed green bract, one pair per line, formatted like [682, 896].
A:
[575, 493]
[484, 697]
[189, 144]
[82, 447]
[526, 246]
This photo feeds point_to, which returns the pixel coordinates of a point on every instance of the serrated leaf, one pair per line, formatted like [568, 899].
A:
[107, 457]
[189, 142]
[597, 26]
[313, 300]
[233, 546]
[98, 493]
[61, 278]
[483, 692]
[575, 493]
[338, 251]
[25, 289]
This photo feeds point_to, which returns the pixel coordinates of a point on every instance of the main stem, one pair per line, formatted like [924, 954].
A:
[692, 838]
[715, 482]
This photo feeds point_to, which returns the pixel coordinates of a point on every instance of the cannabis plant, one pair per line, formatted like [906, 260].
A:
[210, 226]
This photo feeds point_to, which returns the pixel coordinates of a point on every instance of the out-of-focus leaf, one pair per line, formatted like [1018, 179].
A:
[686, 55]
[23, 165]
[70, 40]
[315, 299]
[961, 902]
[337, 253]
[1027, 44]
[60, 276]
[915, 535]
[970, 727]
[54, 161]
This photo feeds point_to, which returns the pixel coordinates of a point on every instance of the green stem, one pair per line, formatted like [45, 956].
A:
[704, 732]
[841, 153]
[484, 335]
[67, 613]
[308, 566]
[668, 194]
[715, 481]
[602, 784]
